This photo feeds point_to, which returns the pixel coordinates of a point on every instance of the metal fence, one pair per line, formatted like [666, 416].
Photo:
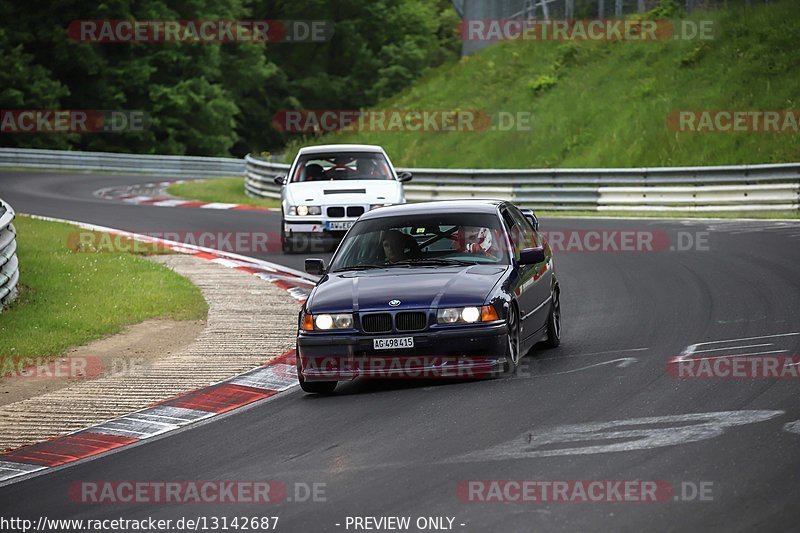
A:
[162, 165]
[727, 188]
[568, 9]
[9, 265]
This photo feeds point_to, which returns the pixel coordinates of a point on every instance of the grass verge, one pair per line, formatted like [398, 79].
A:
[228, 190]
[607, 104]
[68, 298]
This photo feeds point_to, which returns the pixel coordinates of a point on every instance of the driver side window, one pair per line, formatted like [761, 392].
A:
[513, 231]
[520, 231]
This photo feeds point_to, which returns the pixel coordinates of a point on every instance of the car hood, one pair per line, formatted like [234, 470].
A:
[345, 192]
[415, 287]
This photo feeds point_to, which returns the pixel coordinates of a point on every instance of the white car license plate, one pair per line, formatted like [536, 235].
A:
[339, 226]
[393, 343]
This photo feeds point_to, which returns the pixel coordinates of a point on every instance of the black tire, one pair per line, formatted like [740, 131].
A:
[318, 387]
[314, 387]
[512, 349]
[287, 245]
[554, 321]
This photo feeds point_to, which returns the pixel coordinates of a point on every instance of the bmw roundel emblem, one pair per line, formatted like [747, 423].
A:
[394, 303]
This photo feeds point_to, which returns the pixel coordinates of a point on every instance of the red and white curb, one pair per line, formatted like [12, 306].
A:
[154, 194]
[169, 415]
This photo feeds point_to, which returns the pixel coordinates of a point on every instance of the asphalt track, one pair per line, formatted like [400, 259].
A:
[391, 448]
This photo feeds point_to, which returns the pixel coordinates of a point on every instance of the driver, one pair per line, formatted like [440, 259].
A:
[369, 167]
[394, 246]
[314, 172]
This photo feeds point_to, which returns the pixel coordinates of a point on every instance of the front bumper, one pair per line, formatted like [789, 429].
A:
[451, 353]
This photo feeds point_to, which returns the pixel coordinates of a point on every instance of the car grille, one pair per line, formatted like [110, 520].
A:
[410, 321]
[336, 212]
[377, 323]
[355, 211]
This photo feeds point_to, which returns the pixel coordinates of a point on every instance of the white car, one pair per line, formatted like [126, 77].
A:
[330, 186]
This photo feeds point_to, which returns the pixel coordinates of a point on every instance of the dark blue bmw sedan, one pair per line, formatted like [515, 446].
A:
[435, 290]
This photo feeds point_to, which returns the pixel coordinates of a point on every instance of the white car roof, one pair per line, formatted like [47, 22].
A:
[327, 148]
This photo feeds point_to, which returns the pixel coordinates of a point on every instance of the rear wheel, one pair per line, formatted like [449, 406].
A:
[554, 321]
[314, 387]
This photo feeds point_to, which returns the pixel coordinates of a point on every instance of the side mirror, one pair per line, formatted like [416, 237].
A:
[404, 177]
[528, 256]
[532, 218]
[315, 267]
[280, 180]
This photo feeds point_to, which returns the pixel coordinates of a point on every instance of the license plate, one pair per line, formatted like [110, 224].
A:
[393, 343]
[339, 226]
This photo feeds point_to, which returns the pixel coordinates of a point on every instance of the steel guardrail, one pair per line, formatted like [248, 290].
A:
[9, 264]
[721, 188]
[161, 165]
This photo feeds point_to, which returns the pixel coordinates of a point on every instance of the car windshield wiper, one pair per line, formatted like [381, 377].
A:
[436, 261]
[359, 267]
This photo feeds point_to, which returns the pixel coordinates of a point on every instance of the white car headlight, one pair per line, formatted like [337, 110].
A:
[466, 315]
[305, 210]
[339, 321]
[471, 314]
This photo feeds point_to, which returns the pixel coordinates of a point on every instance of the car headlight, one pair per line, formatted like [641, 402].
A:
[376, 206]
[292, 210]
[327, 322]
[466, 315]
[305, 210]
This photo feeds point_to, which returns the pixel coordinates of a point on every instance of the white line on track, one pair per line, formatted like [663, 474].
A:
[734, 348]
[621, 363]
[692, 348]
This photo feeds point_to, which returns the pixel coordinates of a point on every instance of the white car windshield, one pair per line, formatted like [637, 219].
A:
[448, 238]
[342, 166]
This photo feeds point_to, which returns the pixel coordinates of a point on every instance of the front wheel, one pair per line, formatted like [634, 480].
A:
[512, 348]
[318, 387]
[287, 245]
[554, 321]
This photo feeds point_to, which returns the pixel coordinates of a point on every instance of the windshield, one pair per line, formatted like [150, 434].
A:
[342, 166]
[452, 238]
